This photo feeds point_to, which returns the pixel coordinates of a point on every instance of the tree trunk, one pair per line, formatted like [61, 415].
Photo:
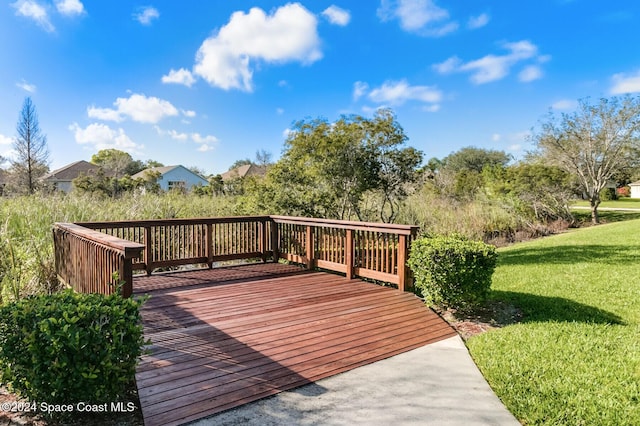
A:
[595, 202]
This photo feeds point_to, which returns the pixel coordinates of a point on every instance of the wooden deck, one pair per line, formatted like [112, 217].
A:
[225, 337]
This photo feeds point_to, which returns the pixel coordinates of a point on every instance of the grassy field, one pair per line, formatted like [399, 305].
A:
[574, 359]
[622, 203]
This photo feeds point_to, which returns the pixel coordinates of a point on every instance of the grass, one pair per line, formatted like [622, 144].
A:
[575, 356]
[621, 203]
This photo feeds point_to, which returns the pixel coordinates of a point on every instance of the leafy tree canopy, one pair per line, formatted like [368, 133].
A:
[329, 169]
[475, 159]
[594, 143]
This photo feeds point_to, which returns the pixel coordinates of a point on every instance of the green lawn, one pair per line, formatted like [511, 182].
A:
[575, 357]
[622, 203]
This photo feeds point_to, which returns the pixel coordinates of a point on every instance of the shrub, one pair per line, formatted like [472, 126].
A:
[623, 191]
[452, 271]
[69, 347]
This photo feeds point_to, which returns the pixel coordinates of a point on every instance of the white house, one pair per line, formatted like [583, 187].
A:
[635, 189]
[173, 177]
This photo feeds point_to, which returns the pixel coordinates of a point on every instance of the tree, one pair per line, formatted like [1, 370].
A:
[475, 159]
[328, 169]
[32, 153]
[593, 143]
[113, 161]
[460, 175]
[263, 158]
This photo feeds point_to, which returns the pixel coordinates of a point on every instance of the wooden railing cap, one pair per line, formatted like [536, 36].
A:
[348, 224]
[128, 248]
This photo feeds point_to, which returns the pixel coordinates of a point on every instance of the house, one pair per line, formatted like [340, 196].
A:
[635, 189]
[173, 177]
[62, 178]
[244, 171]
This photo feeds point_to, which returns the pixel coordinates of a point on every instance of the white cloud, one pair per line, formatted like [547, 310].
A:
[495, 67]
[479, 21]
[360, 88]
[181, 76]
[31, 88]
[279, 111]
[197, 138]
[205, 148]
[496, 137]
[625, 83]
[137, 107]
[337, 16]
[5, 140]
[423, 17]
[188, 113]
[146, 15]
[227, 59]
[101, 136]
[207, 143]
[70, 7]
[448, 66]
[530, 73]
[514, 147]
[399, 92]
[431, 108]
[35, 11]
[287, 132]
[564, 104]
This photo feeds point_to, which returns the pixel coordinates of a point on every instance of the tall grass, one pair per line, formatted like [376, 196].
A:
[26, 244]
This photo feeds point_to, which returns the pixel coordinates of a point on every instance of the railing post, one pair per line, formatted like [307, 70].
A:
[263, 240]
[309, 247]
[148, 255]
[209, 243]
[402, 262]
[348, 258]
[126, 275]
[275, 241]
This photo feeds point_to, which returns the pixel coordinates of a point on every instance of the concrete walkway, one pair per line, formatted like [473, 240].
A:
[437, 384]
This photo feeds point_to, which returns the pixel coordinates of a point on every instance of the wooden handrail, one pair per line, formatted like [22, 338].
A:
[88, 260]
[358, 249]
[348, 224]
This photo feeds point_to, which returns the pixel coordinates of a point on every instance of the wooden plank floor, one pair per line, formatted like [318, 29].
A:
[225, 337]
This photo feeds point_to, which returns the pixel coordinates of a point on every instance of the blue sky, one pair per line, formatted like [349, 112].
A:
[206, 83]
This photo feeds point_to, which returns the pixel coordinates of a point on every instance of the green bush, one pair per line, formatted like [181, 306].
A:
[69, 347]
[452, 271]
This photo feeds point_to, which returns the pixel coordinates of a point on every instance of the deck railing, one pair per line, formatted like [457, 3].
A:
[92, 262]
[370, 250]
[88, 253]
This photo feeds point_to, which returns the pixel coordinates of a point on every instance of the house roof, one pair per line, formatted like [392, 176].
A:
[70, 171]
[246, 170]
[636, 183]
[161, 170]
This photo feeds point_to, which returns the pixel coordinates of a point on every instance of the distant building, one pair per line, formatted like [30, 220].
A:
[62, 178]
[635, 189]
[173, 177]
[243, 171]
[233, 180]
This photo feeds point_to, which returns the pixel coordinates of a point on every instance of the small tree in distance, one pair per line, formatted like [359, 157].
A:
[593, 143]
[32, 153]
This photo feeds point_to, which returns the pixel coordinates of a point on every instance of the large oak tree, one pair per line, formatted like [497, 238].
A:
[594, 143]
